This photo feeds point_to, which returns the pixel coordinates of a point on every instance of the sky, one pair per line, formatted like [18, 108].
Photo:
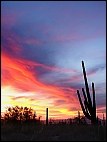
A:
[42, 46]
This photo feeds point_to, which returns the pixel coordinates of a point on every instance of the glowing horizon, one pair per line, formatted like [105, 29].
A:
[42, 46]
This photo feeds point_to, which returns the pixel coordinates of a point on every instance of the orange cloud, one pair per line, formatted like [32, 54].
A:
[28, 90]
[21, 86]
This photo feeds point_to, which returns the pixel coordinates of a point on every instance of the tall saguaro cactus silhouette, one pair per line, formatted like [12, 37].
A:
[46, 116]
[88, 107]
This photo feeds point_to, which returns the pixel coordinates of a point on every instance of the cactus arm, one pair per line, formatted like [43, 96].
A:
[86, 107]
[86, 85]
[86, 101]
[80, 101]
[85, 98]
[82, 106]
[94, 101]
[88, 115]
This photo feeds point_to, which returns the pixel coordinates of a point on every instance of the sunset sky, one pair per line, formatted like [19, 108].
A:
[42, 46]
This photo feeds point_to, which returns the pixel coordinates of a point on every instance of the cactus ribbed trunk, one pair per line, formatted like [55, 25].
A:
[46, 116]
[88, 108]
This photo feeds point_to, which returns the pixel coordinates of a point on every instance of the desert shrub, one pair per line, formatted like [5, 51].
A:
[19, 114]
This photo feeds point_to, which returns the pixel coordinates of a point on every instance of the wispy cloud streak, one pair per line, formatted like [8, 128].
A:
[42, 45]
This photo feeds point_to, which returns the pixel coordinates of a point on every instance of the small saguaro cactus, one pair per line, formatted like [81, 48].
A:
[79, 117]
[103, 120]
[46, 116]
[88, 107]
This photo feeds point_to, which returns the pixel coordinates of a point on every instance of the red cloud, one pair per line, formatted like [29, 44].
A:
[16, 74]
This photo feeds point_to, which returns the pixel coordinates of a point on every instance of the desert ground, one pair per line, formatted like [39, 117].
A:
[53, 132]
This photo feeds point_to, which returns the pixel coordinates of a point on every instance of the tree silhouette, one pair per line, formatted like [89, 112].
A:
[19, 113]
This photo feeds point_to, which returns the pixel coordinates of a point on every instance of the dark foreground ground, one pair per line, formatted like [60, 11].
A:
[32, 132]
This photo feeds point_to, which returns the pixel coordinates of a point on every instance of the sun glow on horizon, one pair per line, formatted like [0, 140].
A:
[41, 59]
[11, 97]
[39, 105]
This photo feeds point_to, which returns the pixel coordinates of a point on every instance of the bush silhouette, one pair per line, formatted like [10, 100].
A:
[19, 113]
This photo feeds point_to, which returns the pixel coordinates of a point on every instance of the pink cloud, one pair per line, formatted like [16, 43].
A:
[16, 74]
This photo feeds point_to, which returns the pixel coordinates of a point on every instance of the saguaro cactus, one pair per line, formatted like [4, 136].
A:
[79, 117]
[89, 107]
[46, 116]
